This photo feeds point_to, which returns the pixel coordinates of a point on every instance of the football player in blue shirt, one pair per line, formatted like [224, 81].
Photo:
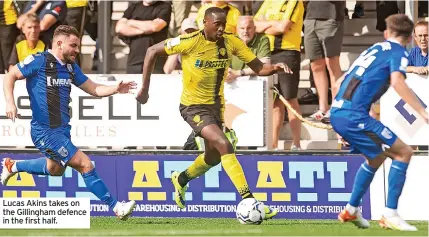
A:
[368, 78]
[49, 77]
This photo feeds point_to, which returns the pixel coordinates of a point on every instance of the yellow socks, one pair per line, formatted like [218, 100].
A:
[198, 168]
[235, 172]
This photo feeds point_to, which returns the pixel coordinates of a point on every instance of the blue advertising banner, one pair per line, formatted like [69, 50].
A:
[301, 187]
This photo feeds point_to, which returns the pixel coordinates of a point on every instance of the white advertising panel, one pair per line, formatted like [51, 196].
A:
[120, 120]
[401, 118]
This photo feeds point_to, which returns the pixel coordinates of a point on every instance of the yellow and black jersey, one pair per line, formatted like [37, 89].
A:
[205, 64]
[21, 50]
[232, 14]
[8, 14]
[292, 10]
[76, 3]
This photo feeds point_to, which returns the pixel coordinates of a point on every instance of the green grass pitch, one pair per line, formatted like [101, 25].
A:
[105, 226]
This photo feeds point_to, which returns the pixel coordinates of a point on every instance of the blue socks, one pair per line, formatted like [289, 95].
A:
[396, 178]
[33, 166]
[363, 179]
[98, 188]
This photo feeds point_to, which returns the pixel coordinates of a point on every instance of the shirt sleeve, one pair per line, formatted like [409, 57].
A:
[241, 50]
[58, 9]
[31, 65]
[294, 11]
[399, 63]
[128, 14]
[264, 48]
[412, 57]
[165, 13]
[78, 77]
[181, 44]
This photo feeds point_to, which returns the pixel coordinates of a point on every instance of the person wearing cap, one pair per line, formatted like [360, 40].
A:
[173, 63]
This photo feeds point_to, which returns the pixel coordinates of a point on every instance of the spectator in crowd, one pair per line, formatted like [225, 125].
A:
[385, 9]
[51, 14]
[144, 24]
[258, 43]
[181, 10]
[323, 37]
[282, 22]
[76, 17]
[29, 43]
[418, 56]
[244, 6]
[232, 14]
[173, 63]
[8, 32]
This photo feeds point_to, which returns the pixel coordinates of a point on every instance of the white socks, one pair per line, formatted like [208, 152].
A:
[389, 212]
[351, 209]
[14, 169]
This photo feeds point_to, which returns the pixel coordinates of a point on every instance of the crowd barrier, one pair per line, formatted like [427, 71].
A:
[300, 185]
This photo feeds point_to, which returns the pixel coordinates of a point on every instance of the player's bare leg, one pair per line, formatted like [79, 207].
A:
[40, 166]
[361, 184]
[81, 162]
[295, 124]
[401, 154]
[279, 111]
[200, 166]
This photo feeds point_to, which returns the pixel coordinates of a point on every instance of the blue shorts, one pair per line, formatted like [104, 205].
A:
[365, 135]
[55, 143]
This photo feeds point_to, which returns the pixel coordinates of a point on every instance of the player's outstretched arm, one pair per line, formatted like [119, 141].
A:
[267, 69]
[100, 90]
[8, 85]
[398, 83]
[149, 62]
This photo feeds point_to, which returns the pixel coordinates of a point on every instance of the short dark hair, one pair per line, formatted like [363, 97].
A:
[400, 25]
[66, 30]
[212, 10]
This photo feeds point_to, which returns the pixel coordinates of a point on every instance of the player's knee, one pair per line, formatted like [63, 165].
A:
[57, 172]
[86, 166]
[333, 63]
[318, 65]
[81, 163]
[407, 153]
[212, 159]
[224, 146]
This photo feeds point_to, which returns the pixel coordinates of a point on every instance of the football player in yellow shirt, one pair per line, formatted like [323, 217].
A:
[206, 55]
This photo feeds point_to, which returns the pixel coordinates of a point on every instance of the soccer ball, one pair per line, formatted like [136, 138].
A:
[250, 212]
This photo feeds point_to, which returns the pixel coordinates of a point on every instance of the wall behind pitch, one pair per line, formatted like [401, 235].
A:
[302, 187]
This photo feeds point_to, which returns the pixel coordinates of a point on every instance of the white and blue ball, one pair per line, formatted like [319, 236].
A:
[250, 212]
